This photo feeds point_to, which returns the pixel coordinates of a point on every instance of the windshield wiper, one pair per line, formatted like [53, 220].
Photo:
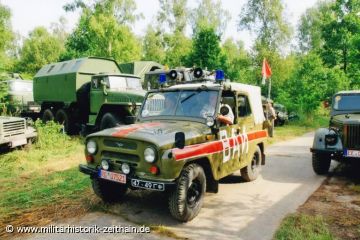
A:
[190, 96]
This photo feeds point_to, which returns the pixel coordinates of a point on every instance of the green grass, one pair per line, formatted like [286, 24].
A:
[42, 174]
[301, 226]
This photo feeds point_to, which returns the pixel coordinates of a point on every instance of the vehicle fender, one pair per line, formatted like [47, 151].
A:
[319, 140]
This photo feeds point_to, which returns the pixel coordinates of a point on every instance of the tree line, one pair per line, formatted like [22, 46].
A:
[324, 60]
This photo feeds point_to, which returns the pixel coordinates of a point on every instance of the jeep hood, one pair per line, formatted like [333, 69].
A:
[159, 133]
[346, 119]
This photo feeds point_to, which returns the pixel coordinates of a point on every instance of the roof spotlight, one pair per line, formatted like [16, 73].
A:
[173, 74]
[198, 72]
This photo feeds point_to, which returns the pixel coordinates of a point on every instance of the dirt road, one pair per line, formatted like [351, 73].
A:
[239, 211]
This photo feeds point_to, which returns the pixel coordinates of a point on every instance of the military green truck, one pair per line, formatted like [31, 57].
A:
[341, 140]
[140, 68]
[182, 143]
[89, 92]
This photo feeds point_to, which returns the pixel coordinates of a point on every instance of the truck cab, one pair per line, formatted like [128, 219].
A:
[186, 137]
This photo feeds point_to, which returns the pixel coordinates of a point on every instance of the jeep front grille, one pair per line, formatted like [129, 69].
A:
[13, 128]
[352, 136]
[121, 156]
[120, 144]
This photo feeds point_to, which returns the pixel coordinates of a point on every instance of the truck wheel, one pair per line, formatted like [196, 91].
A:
[47, 116]
[62, 117]
[109, 120]
[321, 163]
[251, 171]
[108, 191]
[187, 199]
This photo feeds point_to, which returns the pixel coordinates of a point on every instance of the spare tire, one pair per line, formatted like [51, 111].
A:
[109, 120]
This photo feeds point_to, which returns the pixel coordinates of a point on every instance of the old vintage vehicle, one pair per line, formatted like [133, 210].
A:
[20, 99]
[341, 141]
[89, 92]
[181, 144]
[14, 132]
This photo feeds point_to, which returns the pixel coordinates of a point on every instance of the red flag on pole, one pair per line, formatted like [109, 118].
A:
[266, 71]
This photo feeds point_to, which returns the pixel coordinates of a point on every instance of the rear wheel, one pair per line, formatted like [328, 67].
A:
[186, 201]
[62, 117]
[251, 171]
[321, 163]
[108, 191]
[47, 116]
[109, 120]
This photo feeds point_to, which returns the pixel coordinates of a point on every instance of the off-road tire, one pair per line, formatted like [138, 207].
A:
[109, 120]
[251, 171]
[63, 118]
[47, 116]
[321, 163]
[108, 191]
[186, 200]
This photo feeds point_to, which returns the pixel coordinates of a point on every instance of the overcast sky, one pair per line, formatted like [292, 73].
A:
[28, 14]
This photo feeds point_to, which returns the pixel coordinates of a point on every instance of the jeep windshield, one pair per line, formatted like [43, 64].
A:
[350, 102]
[185, 103]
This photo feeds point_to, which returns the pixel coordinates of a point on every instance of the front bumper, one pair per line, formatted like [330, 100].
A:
[336, 154]
[130, 180]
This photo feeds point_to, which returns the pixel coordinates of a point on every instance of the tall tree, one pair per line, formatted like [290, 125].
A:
[153, 45]
[265, 19]
[39, 49]
[172, 20]
[339, 33]
[239, 62]
[309, 30]
[6, 36]
[103, 31]
[206, 51]
[210, 14]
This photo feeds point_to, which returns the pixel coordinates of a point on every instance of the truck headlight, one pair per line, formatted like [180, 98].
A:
[149, 155]
[91, 147]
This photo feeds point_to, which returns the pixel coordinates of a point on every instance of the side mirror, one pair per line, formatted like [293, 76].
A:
[180, 140]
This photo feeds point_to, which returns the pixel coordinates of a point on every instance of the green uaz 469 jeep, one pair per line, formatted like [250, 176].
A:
[181, 144]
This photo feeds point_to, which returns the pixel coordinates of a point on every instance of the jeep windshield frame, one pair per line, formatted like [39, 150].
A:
[349, 104]
[184, 98]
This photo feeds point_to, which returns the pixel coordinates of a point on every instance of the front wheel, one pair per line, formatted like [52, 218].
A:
[108, 191]
[321, 163]
[186, 201]
[251, 171]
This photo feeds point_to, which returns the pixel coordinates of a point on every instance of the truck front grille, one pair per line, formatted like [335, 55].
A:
[120, 144]
[13, 128]
[352, 136]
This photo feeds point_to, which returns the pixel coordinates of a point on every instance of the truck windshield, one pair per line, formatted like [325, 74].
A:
[347, 102]
[187, 103]
[117, 82]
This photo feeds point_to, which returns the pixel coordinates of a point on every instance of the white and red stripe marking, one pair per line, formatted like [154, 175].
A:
[204, 149]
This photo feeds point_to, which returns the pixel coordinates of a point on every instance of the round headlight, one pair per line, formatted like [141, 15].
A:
[125, 168]
[105, 165]
[210, 121]
[149, 155]
[91, 147]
